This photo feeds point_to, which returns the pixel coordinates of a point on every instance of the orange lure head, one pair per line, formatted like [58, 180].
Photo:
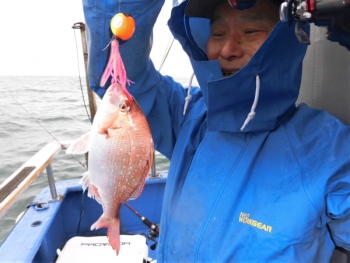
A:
[123, 26]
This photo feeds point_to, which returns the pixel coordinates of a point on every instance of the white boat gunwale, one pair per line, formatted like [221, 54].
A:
[40, 161]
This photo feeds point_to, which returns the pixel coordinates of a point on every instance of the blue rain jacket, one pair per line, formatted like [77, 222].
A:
[278, 191]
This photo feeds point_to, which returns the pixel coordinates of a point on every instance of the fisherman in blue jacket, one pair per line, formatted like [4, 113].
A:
[252, 177]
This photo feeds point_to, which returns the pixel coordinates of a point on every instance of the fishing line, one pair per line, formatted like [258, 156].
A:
[36, 120]
[81, 212]
[81, 86]
[170, 44]
[110, 41]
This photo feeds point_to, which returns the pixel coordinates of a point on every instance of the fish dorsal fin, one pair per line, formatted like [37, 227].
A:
[80, 145]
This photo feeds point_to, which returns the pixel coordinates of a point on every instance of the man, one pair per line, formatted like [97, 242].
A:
[253, 178]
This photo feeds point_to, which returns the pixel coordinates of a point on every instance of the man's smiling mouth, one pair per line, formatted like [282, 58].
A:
[228, 73]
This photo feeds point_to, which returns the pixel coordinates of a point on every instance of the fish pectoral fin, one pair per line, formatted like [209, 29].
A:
[80, 145]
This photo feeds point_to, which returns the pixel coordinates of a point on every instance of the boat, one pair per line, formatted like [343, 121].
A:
[55, 227]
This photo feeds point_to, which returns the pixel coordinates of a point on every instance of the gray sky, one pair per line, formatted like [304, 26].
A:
[37, 39]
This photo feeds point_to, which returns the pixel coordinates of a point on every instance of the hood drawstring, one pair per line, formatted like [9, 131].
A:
[256, 98]
[251, 114]
[188, 98]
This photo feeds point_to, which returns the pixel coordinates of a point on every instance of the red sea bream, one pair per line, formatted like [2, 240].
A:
[120, 150]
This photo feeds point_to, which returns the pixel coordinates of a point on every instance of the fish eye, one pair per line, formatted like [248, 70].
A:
[123, 106]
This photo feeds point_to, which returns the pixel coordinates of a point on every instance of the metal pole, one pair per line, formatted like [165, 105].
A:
[91, 95]
[153, 170]
[51, 181]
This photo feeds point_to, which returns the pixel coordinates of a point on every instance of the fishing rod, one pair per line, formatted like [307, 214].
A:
[154, 228]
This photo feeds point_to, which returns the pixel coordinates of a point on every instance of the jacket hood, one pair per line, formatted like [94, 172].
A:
[278, 63]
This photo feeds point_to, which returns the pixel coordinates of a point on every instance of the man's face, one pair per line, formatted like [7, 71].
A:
[236, 35]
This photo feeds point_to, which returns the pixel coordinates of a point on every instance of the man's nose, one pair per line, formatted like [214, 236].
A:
[232, 48]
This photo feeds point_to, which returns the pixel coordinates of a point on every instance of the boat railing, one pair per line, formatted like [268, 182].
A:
[21, 179]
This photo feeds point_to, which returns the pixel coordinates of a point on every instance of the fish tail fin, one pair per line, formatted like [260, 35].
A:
[102, 222]
[113, 234]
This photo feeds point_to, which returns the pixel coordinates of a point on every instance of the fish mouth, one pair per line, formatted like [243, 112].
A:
[226, 73]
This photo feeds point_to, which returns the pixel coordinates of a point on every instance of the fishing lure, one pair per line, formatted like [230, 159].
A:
[123, 27]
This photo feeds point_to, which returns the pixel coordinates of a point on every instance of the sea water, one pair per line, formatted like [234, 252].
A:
[33, 112]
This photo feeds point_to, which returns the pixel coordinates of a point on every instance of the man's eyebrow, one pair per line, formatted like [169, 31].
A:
[253, 17]
[215, 19]
[258, 17]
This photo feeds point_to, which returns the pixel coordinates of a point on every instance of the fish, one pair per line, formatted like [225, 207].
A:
[120, 147]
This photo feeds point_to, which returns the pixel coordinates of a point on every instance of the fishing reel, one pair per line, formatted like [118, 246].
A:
[333, 14]
[152, 235]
